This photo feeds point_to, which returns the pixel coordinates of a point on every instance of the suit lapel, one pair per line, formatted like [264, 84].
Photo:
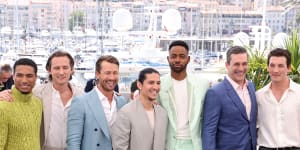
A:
[97, 109]
[169, 100]
[143, 118]
[172, 114]
[195, 106]
[158, 124]
[47, 106]
[251, 90]
[190, 100]
[118, 102]
[195, 99]
[235, 98]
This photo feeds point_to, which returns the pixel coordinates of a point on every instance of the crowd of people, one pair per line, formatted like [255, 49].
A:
[176, 111]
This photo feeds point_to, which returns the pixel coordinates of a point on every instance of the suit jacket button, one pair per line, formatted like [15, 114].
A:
[98, 144]
[96, 129]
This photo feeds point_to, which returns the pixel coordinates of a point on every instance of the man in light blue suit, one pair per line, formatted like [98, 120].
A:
[230, 108]
[92, 115]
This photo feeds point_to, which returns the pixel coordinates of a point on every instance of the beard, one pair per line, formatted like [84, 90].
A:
[151, 99]
[105, 87]
[178, 69]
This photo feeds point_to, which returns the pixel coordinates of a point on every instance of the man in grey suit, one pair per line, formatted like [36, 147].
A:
[142, 125]
[91, 115]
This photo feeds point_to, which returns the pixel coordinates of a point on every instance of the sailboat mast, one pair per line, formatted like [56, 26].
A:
[16, 30]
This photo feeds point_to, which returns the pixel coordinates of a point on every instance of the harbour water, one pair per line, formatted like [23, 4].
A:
[133, 55]
[85, 57]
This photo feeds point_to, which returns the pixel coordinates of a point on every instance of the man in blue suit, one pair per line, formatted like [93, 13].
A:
[230, 109]
[91, 115]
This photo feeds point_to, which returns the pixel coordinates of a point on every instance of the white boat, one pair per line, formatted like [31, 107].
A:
[18, 30]
[6, 31]
[38, 54]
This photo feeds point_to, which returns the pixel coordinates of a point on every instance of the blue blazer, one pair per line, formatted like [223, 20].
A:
[225, 122]
[87, 125]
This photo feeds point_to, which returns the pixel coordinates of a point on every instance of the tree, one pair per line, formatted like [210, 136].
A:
[293, 45]
[76, 19]
[288, 3]
[258, 73]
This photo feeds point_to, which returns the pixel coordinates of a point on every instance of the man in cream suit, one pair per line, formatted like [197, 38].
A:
[56, 97]
[92, 114]
[182, 97]
[142, 125]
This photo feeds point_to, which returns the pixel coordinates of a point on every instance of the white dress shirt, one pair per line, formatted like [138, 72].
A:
[58, 125]
[110, 110]
[243, 93]
[279, 121]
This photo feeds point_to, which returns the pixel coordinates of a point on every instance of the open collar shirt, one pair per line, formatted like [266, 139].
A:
[110, 110]
[279, 121]
[243, 94]
[58, 125]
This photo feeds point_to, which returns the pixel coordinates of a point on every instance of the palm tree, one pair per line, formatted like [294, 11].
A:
[76, 19]
[258, 73]
[287, 3]
[293, 45]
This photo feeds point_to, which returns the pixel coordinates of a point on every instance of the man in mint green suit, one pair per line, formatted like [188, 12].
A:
[182, 97]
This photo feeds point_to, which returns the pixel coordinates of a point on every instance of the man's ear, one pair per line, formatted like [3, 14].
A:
[139, 85]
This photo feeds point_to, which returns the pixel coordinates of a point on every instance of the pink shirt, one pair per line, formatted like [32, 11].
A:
[243, 93]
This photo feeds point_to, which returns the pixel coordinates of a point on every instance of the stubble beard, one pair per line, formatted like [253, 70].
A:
[178, 70]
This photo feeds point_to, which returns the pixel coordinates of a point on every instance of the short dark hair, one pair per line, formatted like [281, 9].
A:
[235, 50]
[279, 52]
[108, 58]
[142, 74]
[59, 53]
[6, 68]
[133, 86]
[26, 62]
[179, 43]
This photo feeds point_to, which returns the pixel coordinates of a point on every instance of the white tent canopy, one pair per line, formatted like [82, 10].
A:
[45, 33]
[122, 20]
[171, 20]
[6, 30]
[90, 32]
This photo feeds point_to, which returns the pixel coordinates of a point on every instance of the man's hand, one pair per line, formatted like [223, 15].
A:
[6, 96]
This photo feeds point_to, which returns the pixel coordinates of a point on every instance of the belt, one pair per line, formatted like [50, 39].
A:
[279, 148]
